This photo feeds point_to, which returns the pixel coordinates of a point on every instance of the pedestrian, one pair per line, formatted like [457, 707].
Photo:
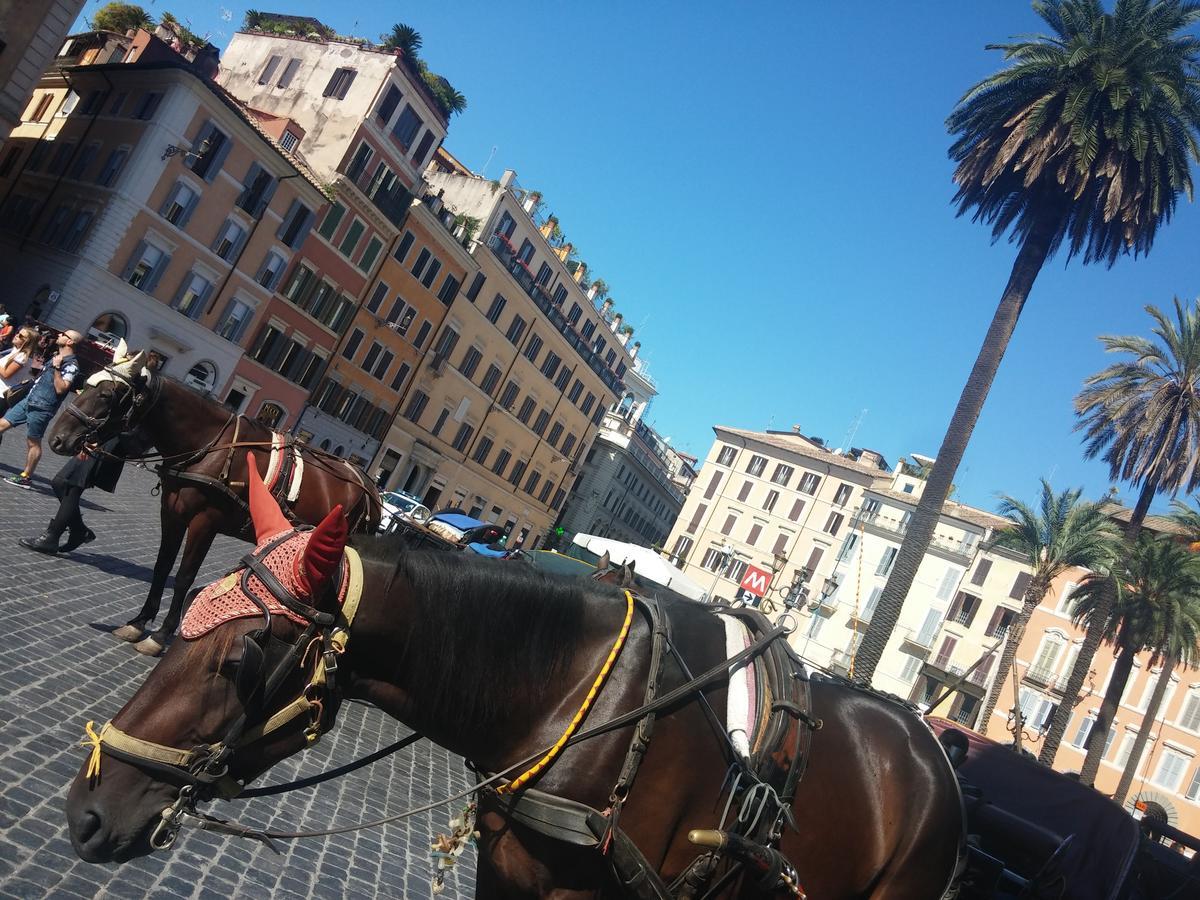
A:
[16, 368]
[38, 407]
[6, 327]
[86, 470]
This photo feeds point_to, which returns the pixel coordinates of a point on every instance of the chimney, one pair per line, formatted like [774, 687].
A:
[564, 251]
[592, 291]
[795, 429]
[616, 323]
[548, 227]
[623, 337]
[606, 308]
[580, 273]
[637, 345]
[508, 178]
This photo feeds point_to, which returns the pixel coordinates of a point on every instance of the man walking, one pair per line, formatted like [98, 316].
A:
[41, 403]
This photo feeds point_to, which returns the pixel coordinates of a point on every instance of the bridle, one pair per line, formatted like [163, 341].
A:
[132, 407]
[204, 770]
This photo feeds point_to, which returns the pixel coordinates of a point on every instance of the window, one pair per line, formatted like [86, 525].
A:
[388, 106]
[834, 523]
[1169, 773]
[1189, 715]
[842, 496]
[234, 320]
[886, 560]
[112, 168]
[490, 379]
[42, 106]
[556, 431]
[422, 149]
[229, 240]
[963, 609]
[756, 465]
[193, 295]
[725, 457]
[744, 492]
[577, 389]
[525, 255]
[518, 470]
[416, 406]
[422, 260]
[796, 511]
[564, 376]
[540, 423]
[331, 221]
[515, 330]
[526, 410]
[435, 266]
[398, 378]
[370, 254]
[213, 146]
[532, 482]
[406, 127]
[147, 105]
[752, 536]
[422, 335]
[568, 443]
[782, 474]
[403, 247]
[269, 69]
[532, 348]
[772, 499]
[730, 521]
[501, 462]
[1047, 657]
[1000, 622]
[145, 267]
[808, 483]
[509, 395]
[981, 572]
[1193, 788]
[74, 234]
[476, 286]
[289, 72]
[352, 344]
[496, 307]
[339, 83]
[470, 361]
[265, 343]
[1064, 599]
[296, 225]
[271, 270]
[463, 437]
[351, 237]
[202, 377]
[847, 550]
[449, 290]
[1020, 583]
[551, 364]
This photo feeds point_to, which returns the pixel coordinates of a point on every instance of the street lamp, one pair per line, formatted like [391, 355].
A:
[172, 150]
[727, 556]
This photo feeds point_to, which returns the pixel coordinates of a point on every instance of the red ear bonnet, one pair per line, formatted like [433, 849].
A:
[323, 552]
[269, 520]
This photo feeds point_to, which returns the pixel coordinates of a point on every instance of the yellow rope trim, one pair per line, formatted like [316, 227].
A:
[517, 782]
[92, 740]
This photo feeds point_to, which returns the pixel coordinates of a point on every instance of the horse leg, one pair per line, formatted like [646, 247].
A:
[200, 533]
[173, 531]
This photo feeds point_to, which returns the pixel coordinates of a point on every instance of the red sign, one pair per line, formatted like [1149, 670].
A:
[756, 581]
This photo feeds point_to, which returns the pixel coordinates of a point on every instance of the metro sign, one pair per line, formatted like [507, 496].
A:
[756, 581]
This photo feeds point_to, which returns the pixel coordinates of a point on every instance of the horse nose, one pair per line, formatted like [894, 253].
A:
[88, 836]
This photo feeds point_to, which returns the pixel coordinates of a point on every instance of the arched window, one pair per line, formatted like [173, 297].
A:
[325, 444]
[339, 451]
[202, 376]
[270, 414]
[108, 329]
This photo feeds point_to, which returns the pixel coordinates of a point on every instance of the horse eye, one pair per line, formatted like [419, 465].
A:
[229, 668]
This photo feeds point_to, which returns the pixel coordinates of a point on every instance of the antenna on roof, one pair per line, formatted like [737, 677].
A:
[848, 441]
[491, 156]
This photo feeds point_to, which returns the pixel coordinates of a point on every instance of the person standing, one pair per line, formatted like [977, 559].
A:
[16, 368]
[41, 403]
[100, 469]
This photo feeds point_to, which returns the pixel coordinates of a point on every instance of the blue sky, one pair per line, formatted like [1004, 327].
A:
[766, 191]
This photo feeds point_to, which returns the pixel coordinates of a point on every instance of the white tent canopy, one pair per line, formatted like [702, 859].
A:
[646, 563]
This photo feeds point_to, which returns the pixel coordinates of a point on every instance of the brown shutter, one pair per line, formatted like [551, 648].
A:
[780, 543]
[728, 526]
[955, 606]
[994, 622]
[755, 531]
[981, 571]
[797, 509]
[1020, 585]
[814, 559]
[696, 517]
[712, 486]
[745, 491]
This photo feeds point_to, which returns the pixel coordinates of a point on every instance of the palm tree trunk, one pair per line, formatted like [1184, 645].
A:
[1098, 736]
[1091, 640]
[1033, 597]
[920, 529]
[1143, 735]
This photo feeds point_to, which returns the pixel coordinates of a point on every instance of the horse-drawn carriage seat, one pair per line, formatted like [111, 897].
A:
[1024, 815]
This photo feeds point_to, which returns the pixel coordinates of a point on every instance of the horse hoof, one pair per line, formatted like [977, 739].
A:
[128, 633]
[148, 647]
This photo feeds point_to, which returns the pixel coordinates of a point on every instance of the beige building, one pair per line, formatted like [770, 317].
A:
[31, 35]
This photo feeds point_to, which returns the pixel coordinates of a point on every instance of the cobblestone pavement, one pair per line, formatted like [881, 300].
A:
[58, 669]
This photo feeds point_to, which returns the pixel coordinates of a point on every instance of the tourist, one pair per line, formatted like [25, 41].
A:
[16, 368]
[38, 407]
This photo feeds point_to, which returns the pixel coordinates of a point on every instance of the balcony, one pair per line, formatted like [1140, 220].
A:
[960, 551]
[882, 523]
[389, 196]
[1039, 676]
[920, 640]
[503, 251]
[840, 664]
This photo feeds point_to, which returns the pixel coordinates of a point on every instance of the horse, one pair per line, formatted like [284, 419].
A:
[490, 661]
[203, 449]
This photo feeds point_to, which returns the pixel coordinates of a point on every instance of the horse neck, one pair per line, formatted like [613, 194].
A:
[479, 685]
[181, 420]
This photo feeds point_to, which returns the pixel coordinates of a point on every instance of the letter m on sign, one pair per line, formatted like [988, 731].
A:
[756, 581]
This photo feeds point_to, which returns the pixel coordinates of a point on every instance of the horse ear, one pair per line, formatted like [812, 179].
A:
[627, 579]
[133, 365]
[324, 551]
[604, 562]
[121, 352]
[265, 513]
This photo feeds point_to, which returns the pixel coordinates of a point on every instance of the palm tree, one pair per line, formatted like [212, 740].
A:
[1085, 139]
[1143, 417]
[1174, 638]
[1133, 609]
[404, 38]
[1187, 518]
[1060, 533]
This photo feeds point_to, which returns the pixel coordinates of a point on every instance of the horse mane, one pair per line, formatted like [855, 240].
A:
[533, 626]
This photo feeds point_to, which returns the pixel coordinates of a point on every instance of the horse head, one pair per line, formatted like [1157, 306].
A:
[244, 687]
[622, 575]
[109, 403]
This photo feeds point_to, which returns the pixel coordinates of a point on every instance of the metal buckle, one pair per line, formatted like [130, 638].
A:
[167, 830]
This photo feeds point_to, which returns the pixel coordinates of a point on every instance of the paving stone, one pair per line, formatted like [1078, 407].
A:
[57, 672]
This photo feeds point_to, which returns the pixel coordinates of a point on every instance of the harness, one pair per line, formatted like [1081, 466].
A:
[204, 770]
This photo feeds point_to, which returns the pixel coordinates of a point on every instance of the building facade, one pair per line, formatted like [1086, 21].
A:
[31, 35]
[141, 201]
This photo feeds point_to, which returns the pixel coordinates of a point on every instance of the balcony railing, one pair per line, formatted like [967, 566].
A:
[1039, 675]
[961, 549]
[390, 197]
[503, 252]
[921, 639]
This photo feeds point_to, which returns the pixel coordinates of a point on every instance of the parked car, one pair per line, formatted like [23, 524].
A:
[466, 531]
[397, 505]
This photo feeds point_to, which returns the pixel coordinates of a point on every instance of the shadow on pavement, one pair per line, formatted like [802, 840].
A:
[122, 567]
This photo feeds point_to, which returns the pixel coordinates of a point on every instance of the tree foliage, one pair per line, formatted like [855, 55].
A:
[408, 40]
[121, 17]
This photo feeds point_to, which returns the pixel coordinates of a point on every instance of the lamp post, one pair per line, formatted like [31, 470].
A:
[727, 554]
[827, 589]
[777, 565]
[172, 150]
